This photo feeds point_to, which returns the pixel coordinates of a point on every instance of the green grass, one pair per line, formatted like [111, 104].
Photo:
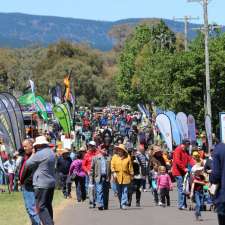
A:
[12, 210]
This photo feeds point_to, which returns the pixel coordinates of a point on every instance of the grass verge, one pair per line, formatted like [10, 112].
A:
[12, 210]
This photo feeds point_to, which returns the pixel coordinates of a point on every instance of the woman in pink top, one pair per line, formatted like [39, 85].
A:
[78, 175]
[164, 185]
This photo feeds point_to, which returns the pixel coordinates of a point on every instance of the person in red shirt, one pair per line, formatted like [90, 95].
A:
[181, 161]
[86, 166]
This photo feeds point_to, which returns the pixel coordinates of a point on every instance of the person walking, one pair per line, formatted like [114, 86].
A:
[77, 174]
[164, 186]
[181, 161]
[86, 166]
[100, 176]
[25, 177]
[217, 178]
[63, 166]
[43, 160]
[122, 170]
[136, 182]
[10, 168]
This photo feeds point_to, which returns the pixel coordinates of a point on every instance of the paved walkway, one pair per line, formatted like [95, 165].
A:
[148, 214]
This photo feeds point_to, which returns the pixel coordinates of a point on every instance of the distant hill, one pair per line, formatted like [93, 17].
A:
[21, 30]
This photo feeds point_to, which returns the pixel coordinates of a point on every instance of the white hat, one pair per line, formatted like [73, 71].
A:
[92, 143]
[197, 168]
[41, 140]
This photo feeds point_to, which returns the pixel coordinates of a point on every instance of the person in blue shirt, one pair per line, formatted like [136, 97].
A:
[218, 178]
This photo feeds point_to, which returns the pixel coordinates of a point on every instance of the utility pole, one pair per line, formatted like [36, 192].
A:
[207, 72]
[186, 20]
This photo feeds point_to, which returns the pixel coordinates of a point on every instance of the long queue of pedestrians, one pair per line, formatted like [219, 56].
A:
[121, 152]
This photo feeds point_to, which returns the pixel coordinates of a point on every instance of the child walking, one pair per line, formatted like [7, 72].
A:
[153, 179]
[164, 186]
[197, 189]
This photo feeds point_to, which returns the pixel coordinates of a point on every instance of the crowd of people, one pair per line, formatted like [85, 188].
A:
[120, 151]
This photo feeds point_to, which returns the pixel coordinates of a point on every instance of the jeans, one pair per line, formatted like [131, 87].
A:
[122, 190]
[221, 213]
[43, 198]
[102, 193]
[29, 201]
[114, 189]
[80, 188]
[143, 183]
[181, 195]
[198, 202]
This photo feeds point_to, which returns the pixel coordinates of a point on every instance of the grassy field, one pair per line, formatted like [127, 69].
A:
[12, 210]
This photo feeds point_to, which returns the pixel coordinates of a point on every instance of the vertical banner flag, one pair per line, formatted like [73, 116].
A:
[181, 119]
[68, 112]
[62, 117]
[164, 125]
[19, 114]
[175, 129]
[141, 110]
[191, 129]
[13, 120]
[41, 107]
[27, 99]
[6, 123]
[208, 128]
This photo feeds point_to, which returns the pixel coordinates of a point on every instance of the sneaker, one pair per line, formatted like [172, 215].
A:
[182, 208]
[138, 204]
[160, 203]
[100, 208]
[124, 207]
[198, 218]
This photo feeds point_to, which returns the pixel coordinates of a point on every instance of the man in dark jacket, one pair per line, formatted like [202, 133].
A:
[43, 162]
[25, 177]
[63, 167]
[218, 178]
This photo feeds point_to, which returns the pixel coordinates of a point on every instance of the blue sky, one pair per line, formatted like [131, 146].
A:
[115, 9]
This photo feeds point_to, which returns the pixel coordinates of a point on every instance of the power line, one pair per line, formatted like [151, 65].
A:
[186, 20]
[207, 72]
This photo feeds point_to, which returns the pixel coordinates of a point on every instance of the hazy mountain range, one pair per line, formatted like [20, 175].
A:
[22, 30]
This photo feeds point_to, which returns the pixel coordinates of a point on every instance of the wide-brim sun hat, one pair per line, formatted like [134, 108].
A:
[92, 143]
[121, 147]
[65, 151]
[41, 140]
[82, 149]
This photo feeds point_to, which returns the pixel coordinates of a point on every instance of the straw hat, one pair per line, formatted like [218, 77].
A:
[41, 140]
[64, 151]
[121, 147]
[82, 149]
[156, 149]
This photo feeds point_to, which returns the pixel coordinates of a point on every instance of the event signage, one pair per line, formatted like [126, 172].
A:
[13, 120]
[18, 112]
[222, 127]
[7, 125]
[41, 107]
[191, 129]
[164, 125]
[181, 119]
[208, 128]
[175, 129]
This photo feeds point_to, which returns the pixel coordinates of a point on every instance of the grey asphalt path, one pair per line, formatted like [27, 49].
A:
[148, 214]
